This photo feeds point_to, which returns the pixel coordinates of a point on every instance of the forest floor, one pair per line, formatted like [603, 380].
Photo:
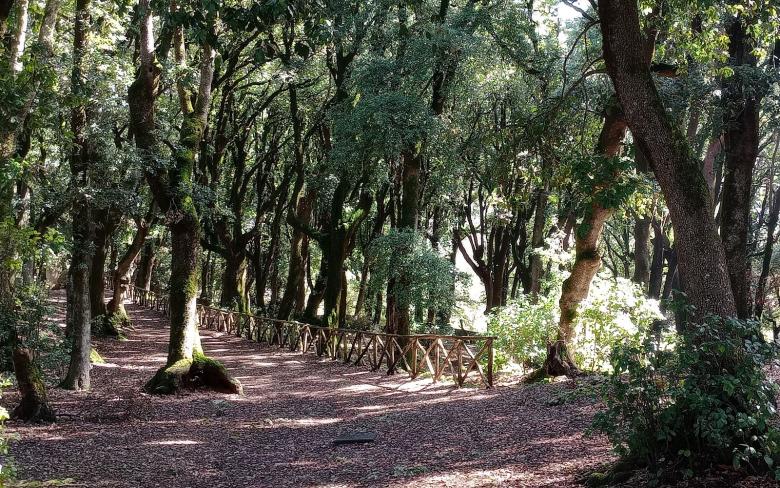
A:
[280, 432]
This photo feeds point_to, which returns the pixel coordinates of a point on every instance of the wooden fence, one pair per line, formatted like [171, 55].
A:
[458, 357]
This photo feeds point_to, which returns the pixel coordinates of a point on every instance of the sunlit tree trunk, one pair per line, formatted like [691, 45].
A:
[587, 259]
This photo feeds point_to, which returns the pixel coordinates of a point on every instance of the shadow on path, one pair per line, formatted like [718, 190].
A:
[280, 432]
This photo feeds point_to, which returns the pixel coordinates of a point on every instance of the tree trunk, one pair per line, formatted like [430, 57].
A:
[296, 266]
[702, 260]
[317, 293]
[78, 310]
[537, 242]
[234, 286]
[741, 138]
[360, 302]
[657, 265]
[766, 260]
[143, 276]
[121, 276]
[186, 366]
[34, 405]
[587, 259]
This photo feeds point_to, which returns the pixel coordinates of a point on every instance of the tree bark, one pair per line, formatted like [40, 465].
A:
[34, 405]
[121, 275]
[702, 260]
[143, 276]
[771, 228]
[234, 286]
[742, 104]
[78, 315]
[537, 242]
[587, 259]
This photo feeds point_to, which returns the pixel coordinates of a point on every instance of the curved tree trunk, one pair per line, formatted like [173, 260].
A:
[587, 259]
[702, 260]
[33, 405]
[121, 275]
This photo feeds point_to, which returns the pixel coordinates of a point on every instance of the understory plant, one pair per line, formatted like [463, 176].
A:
[614, 312]
[702, 400]
[7, 470]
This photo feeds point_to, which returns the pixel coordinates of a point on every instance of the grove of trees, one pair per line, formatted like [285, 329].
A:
[606, 174]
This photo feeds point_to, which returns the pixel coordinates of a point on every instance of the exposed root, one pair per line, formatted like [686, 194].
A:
[558, 363]
[201, 372]
[110, 325]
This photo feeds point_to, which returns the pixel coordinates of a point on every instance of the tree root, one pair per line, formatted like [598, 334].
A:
[32, 410]
[558, 363]
[201, 372]
[110, 325]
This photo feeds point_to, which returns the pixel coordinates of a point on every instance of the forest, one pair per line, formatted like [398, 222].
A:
[348, 243]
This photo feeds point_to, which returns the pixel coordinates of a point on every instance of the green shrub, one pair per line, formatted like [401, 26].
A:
[706, 401]
[522, 329]
[7, 470]
[613, 313]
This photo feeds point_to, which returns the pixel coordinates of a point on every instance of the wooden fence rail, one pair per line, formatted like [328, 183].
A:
[459, 357]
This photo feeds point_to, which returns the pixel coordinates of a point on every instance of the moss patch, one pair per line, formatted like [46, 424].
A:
[201, 372]
[110, 325]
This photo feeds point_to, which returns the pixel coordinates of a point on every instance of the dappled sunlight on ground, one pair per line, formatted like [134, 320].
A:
[280, 433]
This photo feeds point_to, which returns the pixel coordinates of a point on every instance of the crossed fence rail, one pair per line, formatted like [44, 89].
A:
[458, 357]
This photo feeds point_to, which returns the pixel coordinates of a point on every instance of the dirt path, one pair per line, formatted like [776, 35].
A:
[280, 433]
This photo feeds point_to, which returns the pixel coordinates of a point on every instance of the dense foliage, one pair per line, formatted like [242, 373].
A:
[701, 401]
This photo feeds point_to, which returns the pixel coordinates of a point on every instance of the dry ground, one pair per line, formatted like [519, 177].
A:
[280, 432]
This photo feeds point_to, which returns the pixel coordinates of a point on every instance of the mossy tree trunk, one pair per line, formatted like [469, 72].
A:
[587, 260]
[186, 366]
[78, 309]
[34, 404]
[702, 260]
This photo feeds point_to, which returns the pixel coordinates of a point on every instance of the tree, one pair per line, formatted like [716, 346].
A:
[172, 191]
[702, 260]
[83, 152]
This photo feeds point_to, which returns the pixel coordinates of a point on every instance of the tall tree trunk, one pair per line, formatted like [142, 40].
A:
[771, 228]
[702, 261]
[742, 104]
[537, 242]
[78, 310]
[173, 191]
[398, 318]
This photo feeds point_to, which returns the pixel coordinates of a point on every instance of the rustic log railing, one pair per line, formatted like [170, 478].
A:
[458, 357]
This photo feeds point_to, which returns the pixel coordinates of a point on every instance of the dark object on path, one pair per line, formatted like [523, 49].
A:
[354, 438]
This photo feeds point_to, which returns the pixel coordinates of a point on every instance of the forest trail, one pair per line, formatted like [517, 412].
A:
[280, 432]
